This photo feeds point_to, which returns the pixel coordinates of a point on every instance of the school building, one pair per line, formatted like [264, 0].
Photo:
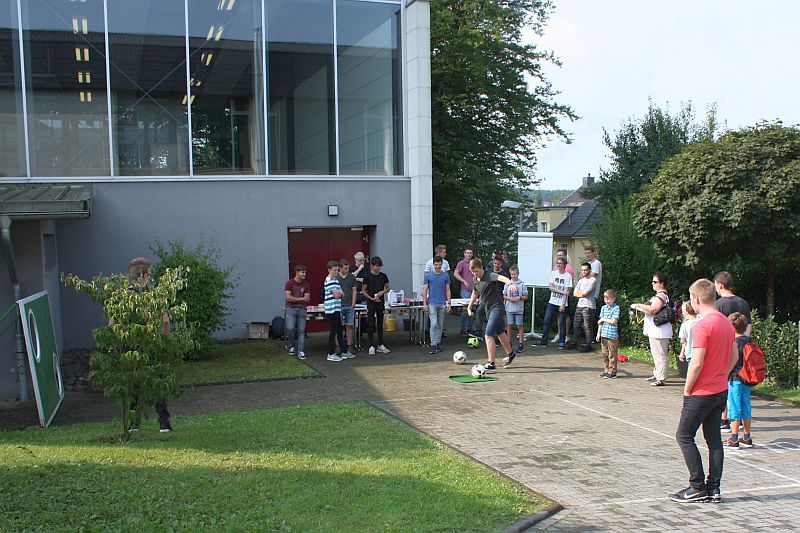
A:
[284, 131]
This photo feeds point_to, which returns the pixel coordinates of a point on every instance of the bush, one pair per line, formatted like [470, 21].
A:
[136, 359]
[208, 287]
[779, 343]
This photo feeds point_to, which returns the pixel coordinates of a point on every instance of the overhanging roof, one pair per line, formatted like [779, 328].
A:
[44, 202]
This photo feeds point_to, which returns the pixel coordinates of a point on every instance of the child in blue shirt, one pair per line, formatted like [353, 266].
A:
[608, 333]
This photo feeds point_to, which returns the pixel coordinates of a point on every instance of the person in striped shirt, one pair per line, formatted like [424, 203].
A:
[333, 312]
[608, 333]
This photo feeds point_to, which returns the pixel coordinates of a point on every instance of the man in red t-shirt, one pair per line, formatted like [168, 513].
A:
[705, 394]
[297, 292]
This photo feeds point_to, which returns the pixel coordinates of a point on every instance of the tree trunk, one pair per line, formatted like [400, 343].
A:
[770, 287]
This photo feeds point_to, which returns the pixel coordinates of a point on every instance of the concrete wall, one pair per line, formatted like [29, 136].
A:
[247, 219]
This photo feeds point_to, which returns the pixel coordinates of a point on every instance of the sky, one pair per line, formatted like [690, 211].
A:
[616, 54]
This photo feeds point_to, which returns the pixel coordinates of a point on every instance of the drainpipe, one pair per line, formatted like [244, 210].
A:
[8, 251]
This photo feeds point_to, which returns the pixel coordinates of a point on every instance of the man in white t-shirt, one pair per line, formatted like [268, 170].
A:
[597, 268]
[439, 251]
[584, 312]
[560, 286]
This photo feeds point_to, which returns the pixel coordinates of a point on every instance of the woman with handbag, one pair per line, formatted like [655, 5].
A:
[658, 328]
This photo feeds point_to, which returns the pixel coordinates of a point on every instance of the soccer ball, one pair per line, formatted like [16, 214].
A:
[478, 371]
[472, 342]
[459, 358]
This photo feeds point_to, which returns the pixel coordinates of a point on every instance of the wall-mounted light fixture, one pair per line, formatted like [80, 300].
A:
[333, 210]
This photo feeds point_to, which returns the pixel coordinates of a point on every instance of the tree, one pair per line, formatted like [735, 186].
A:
[737, 196]
[135, 361]
[491, 107]
[642, 144]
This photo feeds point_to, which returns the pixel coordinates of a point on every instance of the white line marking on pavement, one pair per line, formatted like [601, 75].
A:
[724, 495]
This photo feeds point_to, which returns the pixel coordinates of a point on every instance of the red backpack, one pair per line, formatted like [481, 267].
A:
[753, 369]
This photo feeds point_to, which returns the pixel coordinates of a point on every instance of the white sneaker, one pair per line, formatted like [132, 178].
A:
[383, 349]
[333, 357]
[348, 355]
[301, 356]
[291, 350]
[372, 350]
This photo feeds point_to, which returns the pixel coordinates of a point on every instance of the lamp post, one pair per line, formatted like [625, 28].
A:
[511, 204]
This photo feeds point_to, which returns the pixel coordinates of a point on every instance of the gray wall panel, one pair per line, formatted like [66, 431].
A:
[247, 219]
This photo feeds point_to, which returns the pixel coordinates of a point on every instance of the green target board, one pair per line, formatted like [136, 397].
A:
[43, 357]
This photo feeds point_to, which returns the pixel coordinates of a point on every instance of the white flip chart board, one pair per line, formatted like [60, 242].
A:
[535, 258]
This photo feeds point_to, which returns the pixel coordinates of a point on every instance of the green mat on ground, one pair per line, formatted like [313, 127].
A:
[470, 379]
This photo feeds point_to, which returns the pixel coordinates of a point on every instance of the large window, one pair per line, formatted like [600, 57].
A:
[65, 77]
[200, 87]
[226, 58]
[149, 102]
[12, 143]
[369, 87]
[301, 94]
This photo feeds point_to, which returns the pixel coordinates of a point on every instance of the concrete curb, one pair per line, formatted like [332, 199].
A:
[530, 521]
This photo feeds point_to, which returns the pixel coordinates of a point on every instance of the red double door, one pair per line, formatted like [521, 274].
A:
[314, 247]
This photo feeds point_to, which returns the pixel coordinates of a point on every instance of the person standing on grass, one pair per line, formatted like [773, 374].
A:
[376, 284]
[140, 281]
[608, 334]
[489, 288]
[333, 312]
[436, 301]
[514, 295]
[584, 311]
[464, 275]
[739, 407]
[714, 354]
[297, 294]
[348, 283]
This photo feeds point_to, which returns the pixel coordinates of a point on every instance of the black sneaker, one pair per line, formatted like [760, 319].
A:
[714, 495]
[433, 349]
[610, 376]
[133, 426]
[725, 426]
[651, 378]
[509, 359]
[489, 366]
[689, 495]
[164, 426]
[603, 375]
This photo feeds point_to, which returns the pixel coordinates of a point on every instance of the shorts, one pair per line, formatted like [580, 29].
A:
[739, 407]
[349, 315]
[495, 325]
[514, 319]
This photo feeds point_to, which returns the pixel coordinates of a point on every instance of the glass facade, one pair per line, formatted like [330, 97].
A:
[99, 88]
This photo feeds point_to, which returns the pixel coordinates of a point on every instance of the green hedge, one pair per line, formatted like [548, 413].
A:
[779, 343]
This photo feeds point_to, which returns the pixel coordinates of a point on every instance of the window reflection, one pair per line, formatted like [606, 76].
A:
[147, 54]
[12, 143]
[227, 92]
[67, 113]
[369, 88]
[300, 74]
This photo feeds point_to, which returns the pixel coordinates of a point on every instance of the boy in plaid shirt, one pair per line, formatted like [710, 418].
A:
[608, 333]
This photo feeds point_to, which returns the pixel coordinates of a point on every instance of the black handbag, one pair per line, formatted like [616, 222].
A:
[665, 315]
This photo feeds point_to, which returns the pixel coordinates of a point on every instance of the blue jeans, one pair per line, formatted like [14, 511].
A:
[436, 313]
[296, 324]
[548, 319]
[464, 315]
[495, 325]
[705, 411]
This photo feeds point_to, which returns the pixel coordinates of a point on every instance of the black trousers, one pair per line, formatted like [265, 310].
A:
[335, 332]
[375, 317]
[703, 411]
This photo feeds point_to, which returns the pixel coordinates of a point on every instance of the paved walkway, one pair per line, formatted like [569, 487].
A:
[603, 449]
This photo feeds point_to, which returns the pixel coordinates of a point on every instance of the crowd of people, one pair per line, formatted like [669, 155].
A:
[713, 334]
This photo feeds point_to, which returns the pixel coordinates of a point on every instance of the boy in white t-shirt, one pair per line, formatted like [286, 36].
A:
[560, 288]
[685, 333]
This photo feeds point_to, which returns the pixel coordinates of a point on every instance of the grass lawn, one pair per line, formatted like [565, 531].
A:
[643, 355]
[334, 467]
[243, 361]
